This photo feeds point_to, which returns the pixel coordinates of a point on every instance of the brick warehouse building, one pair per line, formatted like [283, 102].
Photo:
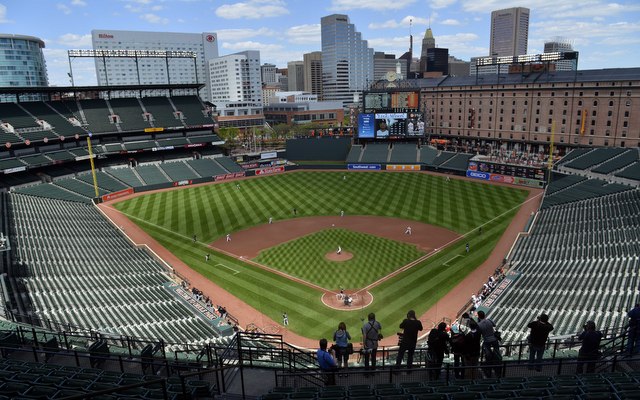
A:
[589, 108]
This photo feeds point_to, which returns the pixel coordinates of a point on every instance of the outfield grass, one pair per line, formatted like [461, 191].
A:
[373, 258]
[212, 211]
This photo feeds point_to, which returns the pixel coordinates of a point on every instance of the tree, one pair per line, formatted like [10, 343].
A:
[230, 133]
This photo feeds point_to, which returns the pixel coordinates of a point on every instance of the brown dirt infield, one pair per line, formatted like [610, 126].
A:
[360, 299]
[343, 256]
[249, 242]
[447, 307]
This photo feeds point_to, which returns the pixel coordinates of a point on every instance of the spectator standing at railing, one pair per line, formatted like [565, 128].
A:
[437, 344]
[371, 334]
[471, 351]
[490, 344]
[633, 341]
[589, 353]
[407, 341]
[538, 336]
[341, 337]
[327, 363]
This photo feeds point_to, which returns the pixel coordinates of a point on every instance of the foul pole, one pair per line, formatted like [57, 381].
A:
[550, 162]
[93, 167]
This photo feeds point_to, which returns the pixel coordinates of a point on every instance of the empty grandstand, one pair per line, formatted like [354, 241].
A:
[77, 269]
[579, 263]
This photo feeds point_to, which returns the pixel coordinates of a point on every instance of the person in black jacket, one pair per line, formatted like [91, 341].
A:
[471, 351]
[410, 326]
[590, 350]
[538, 336]
[437, 345]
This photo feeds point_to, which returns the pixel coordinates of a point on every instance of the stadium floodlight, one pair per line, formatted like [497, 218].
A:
[555, 56]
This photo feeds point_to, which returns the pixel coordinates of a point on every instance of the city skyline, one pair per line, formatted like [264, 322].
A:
[605, 34]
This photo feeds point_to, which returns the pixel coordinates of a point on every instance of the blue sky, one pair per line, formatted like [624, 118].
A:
[607, 34]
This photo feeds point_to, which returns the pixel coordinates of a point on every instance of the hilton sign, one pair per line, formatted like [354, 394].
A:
[105, 36]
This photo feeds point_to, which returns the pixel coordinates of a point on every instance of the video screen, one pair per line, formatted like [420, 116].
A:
[391, 115]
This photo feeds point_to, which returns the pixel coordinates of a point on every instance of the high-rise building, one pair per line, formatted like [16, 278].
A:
[347, 60]
[236, 78]
[438, 60]
[313, 73]
[458, 67]
[22, 61]
[268, 74]
[145, 71]
[509, 32]
[383, 63]
[428, 42]
[559, 45]
[296, 76]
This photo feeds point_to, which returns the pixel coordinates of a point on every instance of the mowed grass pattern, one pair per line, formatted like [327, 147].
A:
[211, 211]
[373, 258]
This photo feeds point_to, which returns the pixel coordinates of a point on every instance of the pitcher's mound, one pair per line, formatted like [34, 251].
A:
[343, 256]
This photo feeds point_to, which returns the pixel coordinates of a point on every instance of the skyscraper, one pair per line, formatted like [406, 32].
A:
[22, 61]
[130, 71]
[347, 60]
[268, 73]
[313, 73]
[509, 32]
[296, 75]
[561, 45]
[428, 42]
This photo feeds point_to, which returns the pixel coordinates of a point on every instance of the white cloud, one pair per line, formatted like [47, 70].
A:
[556, 9]
[79, 3]
[437, 4]
[157, 8]
[404, 23]
[64, 8]
[397, 45]
[378, 5]
[84, 73]
[3, 14]
[133, 9]
[450, 21]
[154, 19]
[304, 34]
[74, 40]
[232, 35]
[250, 45]
[252, 9]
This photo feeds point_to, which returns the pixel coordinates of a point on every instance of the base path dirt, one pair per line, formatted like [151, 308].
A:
[249, 242]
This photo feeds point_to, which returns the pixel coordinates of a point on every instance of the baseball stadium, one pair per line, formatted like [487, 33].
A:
[144, 256]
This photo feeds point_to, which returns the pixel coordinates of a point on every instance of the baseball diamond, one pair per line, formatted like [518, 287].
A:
[413, 281]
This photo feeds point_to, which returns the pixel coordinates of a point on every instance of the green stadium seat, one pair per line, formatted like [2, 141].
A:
[41, 392]
[13, 389]
[598, 396]
[395, 397]
[500, 394]
[68, 393]
[629, 394]
[431, 396]
[533, 393]
[418, 390]
[465, 396]
[303, 395]
[449, 389]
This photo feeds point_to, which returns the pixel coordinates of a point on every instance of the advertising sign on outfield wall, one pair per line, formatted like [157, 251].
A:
[232, 175]
[478, 175]
[364, 166]
[117, 195]
[403, 167]
[268, 171]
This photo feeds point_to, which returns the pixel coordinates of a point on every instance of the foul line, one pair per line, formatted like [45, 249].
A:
[446, 263]
[244, 260]
[432, 252]
[235, 272]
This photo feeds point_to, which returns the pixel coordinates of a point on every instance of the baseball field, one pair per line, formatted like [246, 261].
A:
[292, 271]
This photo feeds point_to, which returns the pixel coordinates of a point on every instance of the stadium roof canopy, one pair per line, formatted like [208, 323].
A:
[110, 88]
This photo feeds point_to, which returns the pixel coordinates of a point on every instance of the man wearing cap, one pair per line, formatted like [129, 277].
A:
[538, 336]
